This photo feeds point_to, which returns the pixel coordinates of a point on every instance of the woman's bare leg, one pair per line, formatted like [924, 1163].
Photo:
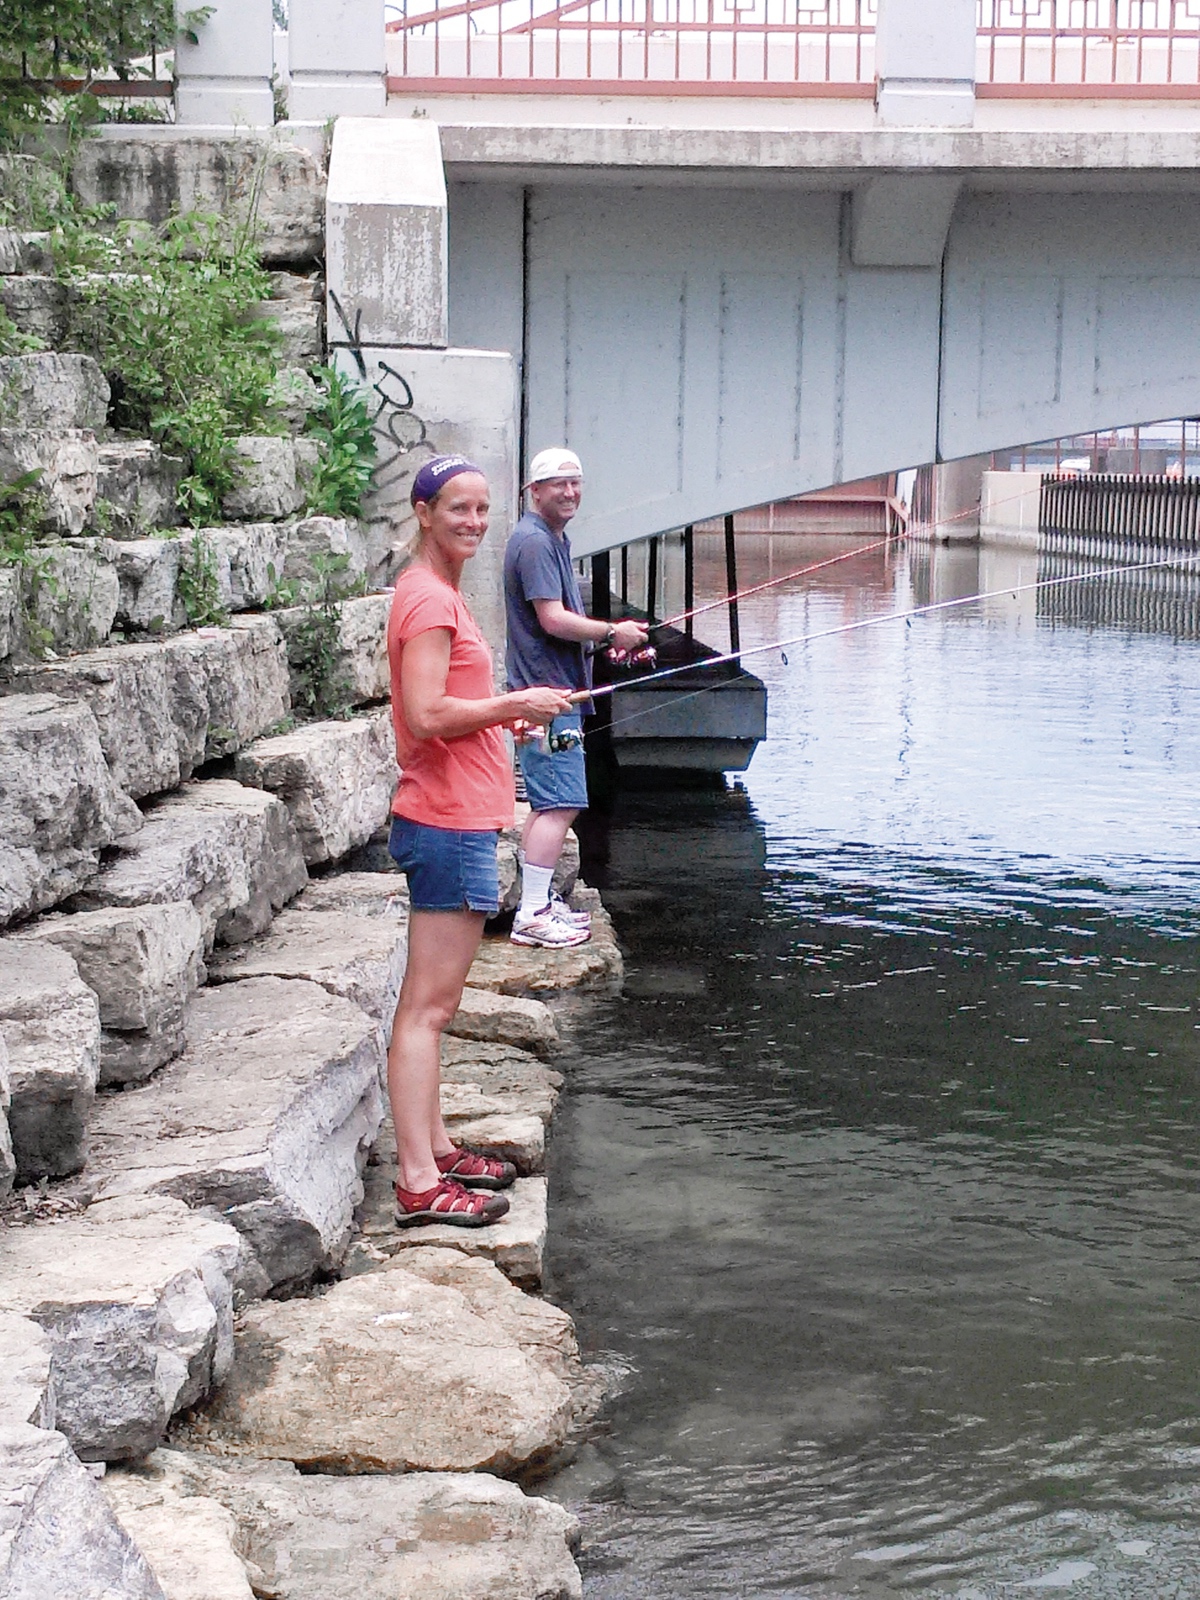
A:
[441, 948]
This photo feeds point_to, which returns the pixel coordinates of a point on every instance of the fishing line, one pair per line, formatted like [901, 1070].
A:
[852, 627]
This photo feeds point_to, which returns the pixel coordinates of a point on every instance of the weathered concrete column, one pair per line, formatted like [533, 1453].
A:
[925, 63]
[386, 254]
[224, 79]
[336, 59]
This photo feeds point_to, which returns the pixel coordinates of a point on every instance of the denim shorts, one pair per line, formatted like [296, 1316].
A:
[446, 870]
[555, 781]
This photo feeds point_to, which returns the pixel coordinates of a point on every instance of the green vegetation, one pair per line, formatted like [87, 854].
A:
[342, 426]
[320, 688]
[27, 557]
[198, 585]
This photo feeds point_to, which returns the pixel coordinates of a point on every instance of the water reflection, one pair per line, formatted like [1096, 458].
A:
[879, 1185]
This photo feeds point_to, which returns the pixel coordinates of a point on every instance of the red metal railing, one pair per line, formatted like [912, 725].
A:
[1146, 47]
[1030, 48]
[657, 46]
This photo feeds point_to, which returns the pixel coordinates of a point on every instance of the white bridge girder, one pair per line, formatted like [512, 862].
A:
[710, 347]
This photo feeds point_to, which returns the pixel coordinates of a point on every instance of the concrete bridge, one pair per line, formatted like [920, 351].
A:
[726, 279]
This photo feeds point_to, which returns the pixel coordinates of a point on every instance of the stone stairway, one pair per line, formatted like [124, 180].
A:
[195, 1158]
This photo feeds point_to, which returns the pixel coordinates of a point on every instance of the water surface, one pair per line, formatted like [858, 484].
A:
[878, 1189]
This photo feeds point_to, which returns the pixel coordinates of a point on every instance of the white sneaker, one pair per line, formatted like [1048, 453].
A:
[543, 928]
[567, 914]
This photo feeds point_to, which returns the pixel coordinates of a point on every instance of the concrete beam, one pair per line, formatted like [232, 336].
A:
[385, 234]
[901, 220]
[336, 59]
[925, 63]
[224, 79]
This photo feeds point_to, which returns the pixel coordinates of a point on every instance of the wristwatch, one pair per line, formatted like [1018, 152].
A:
[608, 637]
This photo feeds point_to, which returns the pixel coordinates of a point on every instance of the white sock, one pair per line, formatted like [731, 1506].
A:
[535, 888]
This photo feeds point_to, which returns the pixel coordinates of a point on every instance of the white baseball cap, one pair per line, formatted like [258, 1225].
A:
[557, 463]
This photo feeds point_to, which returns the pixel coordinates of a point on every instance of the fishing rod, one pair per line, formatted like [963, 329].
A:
[866, 622]
[647, 655]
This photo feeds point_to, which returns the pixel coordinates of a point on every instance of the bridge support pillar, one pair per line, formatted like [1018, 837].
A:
[336, 59]
[386, 258]
[925, 61]
[224, 79]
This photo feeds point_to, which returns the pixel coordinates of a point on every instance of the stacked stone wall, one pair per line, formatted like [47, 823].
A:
[197, 978]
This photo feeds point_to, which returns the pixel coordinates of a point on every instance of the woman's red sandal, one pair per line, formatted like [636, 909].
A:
[448, 1202]
[475, 1170]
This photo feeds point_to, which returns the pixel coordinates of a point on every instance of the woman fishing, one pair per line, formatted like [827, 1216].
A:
[455, 794]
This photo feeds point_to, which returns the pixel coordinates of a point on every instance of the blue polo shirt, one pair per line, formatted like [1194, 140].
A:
[537, 566]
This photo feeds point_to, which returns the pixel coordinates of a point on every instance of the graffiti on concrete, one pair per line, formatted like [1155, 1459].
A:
[395, 417]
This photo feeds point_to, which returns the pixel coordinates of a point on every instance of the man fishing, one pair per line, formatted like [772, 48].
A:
[548, 640]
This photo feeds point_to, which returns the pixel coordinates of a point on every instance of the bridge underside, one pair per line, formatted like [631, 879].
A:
[713, 340]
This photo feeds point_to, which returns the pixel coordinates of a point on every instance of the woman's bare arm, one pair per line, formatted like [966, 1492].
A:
[431, 713]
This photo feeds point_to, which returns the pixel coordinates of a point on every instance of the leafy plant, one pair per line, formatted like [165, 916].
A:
[341, 424]
[199, 585]
[320, 686]
[27, 556]
[45, 41]
[167, 313]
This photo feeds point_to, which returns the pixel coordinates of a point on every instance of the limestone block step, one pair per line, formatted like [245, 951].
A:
[136, 1297]
[319, 537]
[516, 1244]
[148, 580]
[59, 1535]
[505, 1019]
[52, 392]
[67, 463]
[489, 1122]
[437, 1535]
[76, 602]
[59, 804]
[267, 1118]
[282, 184]
[361, 665]
[143, 963]
[433, 1363]
[266, 485]
[50, 1020]
[136, 488]
[232, 851]
[504, 968]
[187, 1541]
[166, 707]
[503, 1075]
[359, 958]
[336, 778]
[37, 304]
[249, 559]
[362, 894]
[26, 1382]
[296, 308]
[25, 252]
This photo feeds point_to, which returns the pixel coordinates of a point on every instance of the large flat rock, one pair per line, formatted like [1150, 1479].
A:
[336, 778]
[411, 1368]
[362, 894]
[26, 1384]
[266, 1118]
[136, 1297]
[232, 851]
[58, 1535]
[516, 1244]
[506, 968]
[59, 805]
[143, 963]
[505, 1019]
[165, 707]
[359, 958]
[50, 1020]
[501, 1069]
[359, 665]
[432, 1535]
[52, 392]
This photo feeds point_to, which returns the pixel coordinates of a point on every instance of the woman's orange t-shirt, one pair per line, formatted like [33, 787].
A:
[466, 783]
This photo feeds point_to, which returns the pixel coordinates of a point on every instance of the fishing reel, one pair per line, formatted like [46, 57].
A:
[557, 744]
[642, 655]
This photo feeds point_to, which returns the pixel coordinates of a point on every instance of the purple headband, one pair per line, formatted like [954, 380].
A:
[436, 473]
